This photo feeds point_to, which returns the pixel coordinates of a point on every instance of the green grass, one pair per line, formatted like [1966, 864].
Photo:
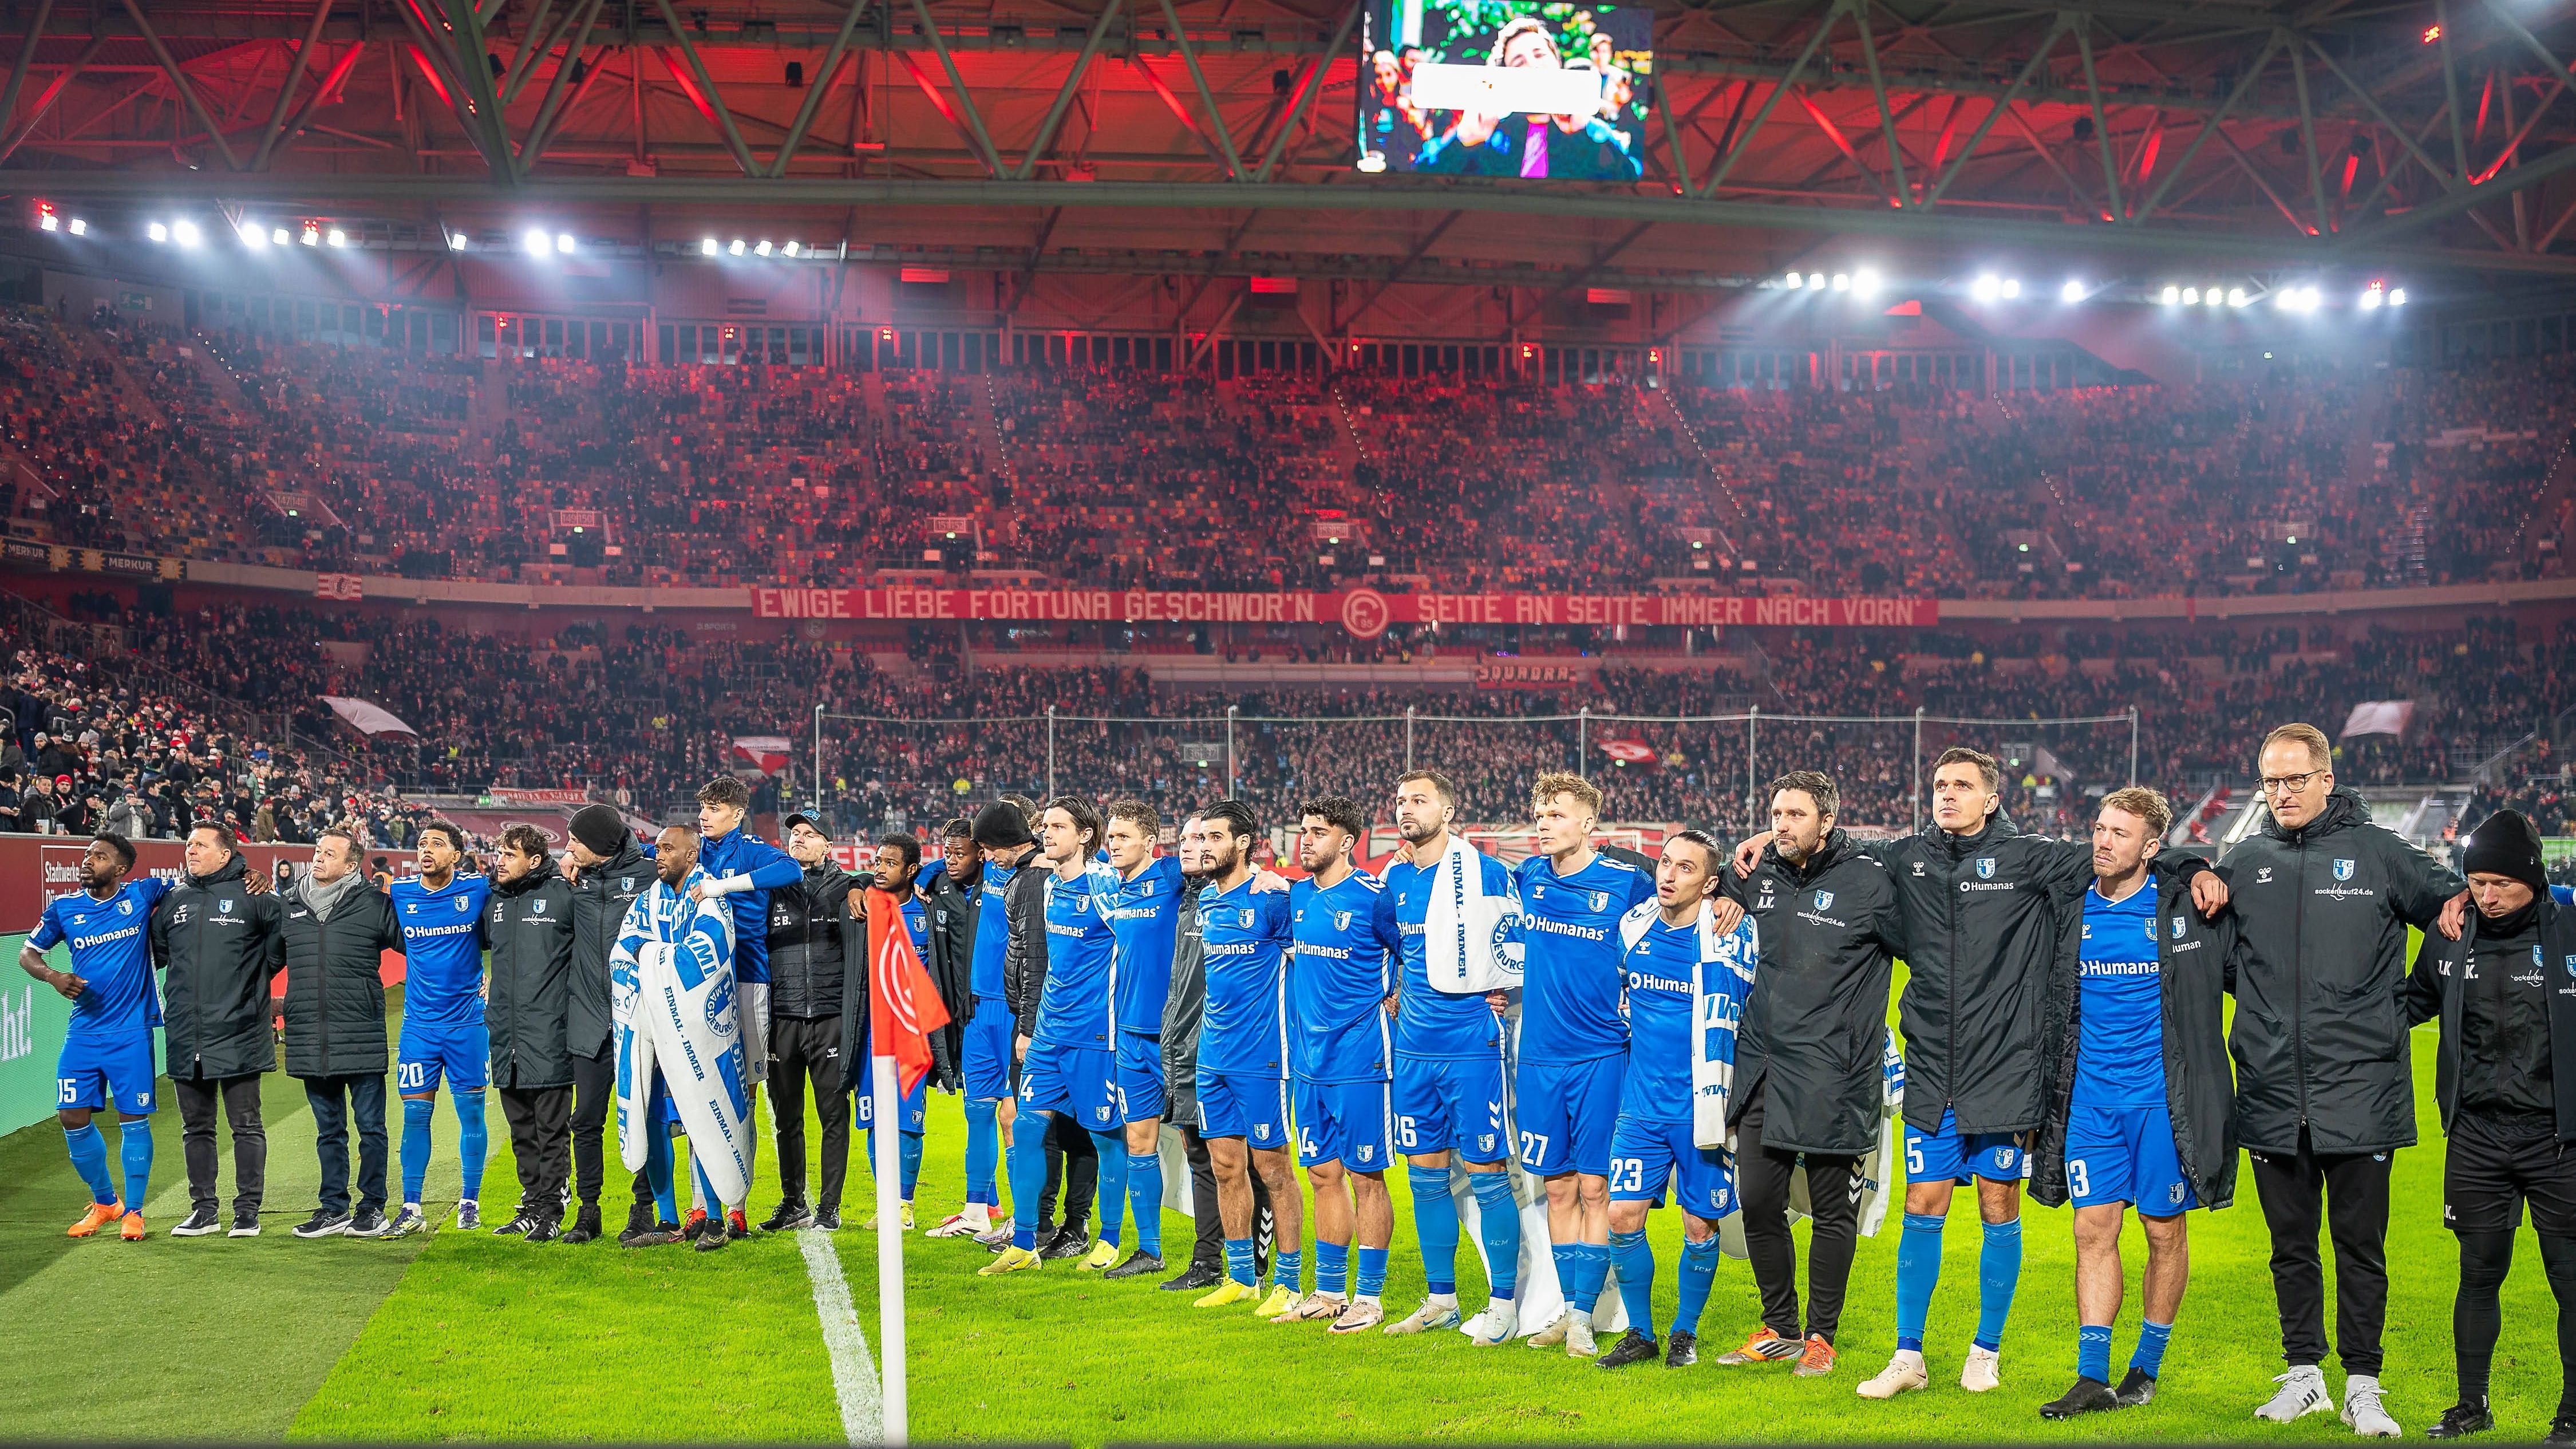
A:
[467, 1336]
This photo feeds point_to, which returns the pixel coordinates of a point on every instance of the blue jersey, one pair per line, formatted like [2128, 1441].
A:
[1346, 942]
[1660, 970]
[742, 853]
[1082, 961]
[2120, 1055]
[1570, 976]
[1243, 1030]
[1431, 1023]
[1146, 913]
[992, 932]
[111, 953]
[916, 919]
[442, 948]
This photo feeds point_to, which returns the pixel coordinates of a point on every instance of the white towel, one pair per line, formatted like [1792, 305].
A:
[1469, 945]
[676, 1012]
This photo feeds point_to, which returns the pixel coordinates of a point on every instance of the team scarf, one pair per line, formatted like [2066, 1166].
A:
[676, 1016]
[1470, 941]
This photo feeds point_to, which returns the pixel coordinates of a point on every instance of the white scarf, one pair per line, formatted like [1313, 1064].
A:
[673, 1000]
[1468, 941]
[1719, 989]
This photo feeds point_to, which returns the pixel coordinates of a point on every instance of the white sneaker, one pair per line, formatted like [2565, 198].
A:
[1440, 1312]
[2362, 1409]
[2303, 1392]
[1553, 1336]
[1903, 1375]
[1578, 1335]
[1983, 1371]
[1499, 1323]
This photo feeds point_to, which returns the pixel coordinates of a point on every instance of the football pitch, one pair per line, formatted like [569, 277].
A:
[467, 1336]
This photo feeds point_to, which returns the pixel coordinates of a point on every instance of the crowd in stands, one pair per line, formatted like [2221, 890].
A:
[129, 434]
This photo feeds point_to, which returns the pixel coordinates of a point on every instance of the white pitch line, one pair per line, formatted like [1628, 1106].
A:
[854, 1370]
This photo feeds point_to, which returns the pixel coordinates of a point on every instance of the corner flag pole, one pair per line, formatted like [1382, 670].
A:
[889, 1174]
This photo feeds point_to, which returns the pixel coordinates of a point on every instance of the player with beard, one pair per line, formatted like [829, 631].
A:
[1183, 1014]
[443, 1038]
[1243, 1061]
[1448, 1079]
[107, 1050]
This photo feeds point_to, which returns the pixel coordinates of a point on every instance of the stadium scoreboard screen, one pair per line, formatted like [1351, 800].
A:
[1543, 92]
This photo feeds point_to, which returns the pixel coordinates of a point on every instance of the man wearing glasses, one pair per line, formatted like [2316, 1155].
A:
[2324, 1082]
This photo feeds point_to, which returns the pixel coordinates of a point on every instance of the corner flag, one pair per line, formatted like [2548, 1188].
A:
[904, 1008]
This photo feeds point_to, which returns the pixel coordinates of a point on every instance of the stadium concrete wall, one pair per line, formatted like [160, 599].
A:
[33, 870]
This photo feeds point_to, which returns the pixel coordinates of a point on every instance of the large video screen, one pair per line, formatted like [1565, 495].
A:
[1541, 91]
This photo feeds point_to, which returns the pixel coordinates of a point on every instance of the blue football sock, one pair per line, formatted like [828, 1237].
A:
[909, 1151]
[657, 1172]
[1595, 1268]
[1332, 1268]
[1238, 1262]
[2150, 1357]
[1699, 1270]
[1998, 1274]
[1145, 1197]
[1498, 1227]
[89, 1155]
[1569, 1265]
[706, 1189]
[473, 1143]
[983, 1151]
[1288, 1269]
[1112, 1147]
[134, 1146]
[1918, 1272]
[1027, 1162]
[1634, 1257]
[416, 1145]
[2093, 1352]
[1372, 1272]
[1435, 1221]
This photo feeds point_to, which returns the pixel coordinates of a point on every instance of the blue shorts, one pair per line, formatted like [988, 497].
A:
[1445, 1103]
[1565, 1112]
[1141, 1097]
[1352, 1123]
[1077, 1082]
[2126, 1154]
[1994, 1156]
[988, 1067]
[1252, 1108]
[98, 1072]
[912, 1114]
[1645, 1155]
[461, 1052]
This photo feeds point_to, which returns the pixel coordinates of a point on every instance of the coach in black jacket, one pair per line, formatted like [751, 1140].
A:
[217, 946]
[2505, 1076]
[614, 871]
[332, 940]
[2324, 1083]
[528, 1012]
[1809, 1059]
[811, 960]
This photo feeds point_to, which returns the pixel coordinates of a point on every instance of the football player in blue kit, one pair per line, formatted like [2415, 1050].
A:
[1573, 1038]
[1145, 916]
[444, 1040]
[1067, 1065]
[1448, 1079]
[1243, 1059]
[1341, 1048]
[1655, 1157]
[107, 1050]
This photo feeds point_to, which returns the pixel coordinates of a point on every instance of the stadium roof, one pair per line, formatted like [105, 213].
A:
[1153, 135]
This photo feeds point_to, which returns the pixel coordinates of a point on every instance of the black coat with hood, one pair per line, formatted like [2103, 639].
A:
[1815, 1027]
[812, 943]
[855, 1064]
[217, 946]
[600, 901]
[335, 987]
[527, 1007]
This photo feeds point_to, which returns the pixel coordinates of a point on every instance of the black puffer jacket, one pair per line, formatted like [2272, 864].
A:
[2200, 1091]
[811, 943]
[1024, 960]
[217, 945]
[600, 901]
[2320, 956]
[529, 1007]
[335, 990]
[2434, 990]
[1815, 1030]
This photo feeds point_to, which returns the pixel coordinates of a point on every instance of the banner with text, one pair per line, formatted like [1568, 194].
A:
[1364, 613]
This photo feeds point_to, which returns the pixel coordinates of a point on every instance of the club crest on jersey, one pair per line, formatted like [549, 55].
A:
[124, 906]
[1600, 900]
[1245, 917]
[1985, 867]
[1824, 900]
[2343, 870]
[224, 907]
[1341, 920]
[463, 906]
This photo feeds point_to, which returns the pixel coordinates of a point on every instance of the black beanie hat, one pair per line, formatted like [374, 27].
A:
[600, 828]
[2506, 844]
[1001, 826]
